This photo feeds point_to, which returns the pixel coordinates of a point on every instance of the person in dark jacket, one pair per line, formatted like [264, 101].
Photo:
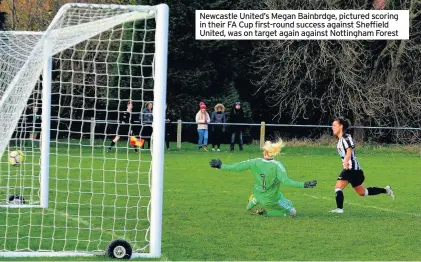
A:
[237, 116]
[124, 126]
[33, 123]
[146, 118]
[167, 127]
[218, 116]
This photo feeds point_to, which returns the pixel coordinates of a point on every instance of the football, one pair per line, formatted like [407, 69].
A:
[16, 200]
[16, 158]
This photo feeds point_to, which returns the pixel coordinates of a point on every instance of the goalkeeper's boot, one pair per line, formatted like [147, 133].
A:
[389, 192]
[260, 211]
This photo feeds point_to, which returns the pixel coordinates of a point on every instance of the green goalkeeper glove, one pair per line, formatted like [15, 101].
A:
[215, 163]
[310, 184]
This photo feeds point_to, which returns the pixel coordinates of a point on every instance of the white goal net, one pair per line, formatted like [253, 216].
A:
[74, 192]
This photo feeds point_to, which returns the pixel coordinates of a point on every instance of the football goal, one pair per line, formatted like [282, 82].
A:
[60, 196]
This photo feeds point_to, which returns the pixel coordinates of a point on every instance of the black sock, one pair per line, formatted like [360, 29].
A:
[112, 144]
[375, 191]
[339, 199]
[135, 148]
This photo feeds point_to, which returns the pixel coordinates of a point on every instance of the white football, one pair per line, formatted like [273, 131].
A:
[16, 158]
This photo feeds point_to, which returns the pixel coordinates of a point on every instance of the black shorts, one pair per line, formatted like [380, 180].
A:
[355, 177]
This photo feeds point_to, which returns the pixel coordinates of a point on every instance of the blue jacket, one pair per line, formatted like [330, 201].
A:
[146, 115]
[218, 117]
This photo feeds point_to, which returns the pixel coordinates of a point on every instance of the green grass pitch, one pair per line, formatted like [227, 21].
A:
[205, 216]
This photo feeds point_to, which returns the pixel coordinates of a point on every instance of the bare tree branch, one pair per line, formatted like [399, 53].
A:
[373, 82]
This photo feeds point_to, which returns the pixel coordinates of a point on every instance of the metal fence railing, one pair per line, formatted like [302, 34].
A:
[186, 131]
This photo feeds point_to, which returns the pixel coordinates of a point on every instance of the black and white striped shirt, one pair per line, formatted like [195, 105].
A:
[344, 143]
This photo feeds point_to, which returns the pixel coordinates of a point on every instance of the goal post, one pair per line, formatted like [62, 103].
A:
[45, 126]
[89, 65]
[159, 130]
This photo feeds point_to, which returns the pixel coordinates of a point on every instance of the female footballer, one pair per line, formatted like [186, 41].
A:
[269, 174]
[352, 172]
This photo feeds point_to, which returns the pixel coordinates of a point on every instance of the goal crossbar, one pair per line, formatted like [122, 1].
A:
[51, 32]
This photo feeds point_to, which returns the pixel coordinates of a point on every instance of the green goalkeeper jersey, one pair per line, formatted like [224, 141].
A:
[268, 175]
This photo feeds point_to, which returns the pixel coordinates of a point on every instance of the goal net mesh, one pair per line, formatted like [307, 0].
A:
[102, 58]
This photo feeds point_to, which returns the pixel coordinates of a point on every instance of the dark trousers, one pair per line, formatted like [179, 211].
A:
[146, 134]
[217, 137]
[167, 139]
[237, 133]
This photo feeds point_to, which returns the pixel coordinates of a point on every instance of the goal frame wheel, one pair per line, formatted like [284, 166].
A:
[119, 248]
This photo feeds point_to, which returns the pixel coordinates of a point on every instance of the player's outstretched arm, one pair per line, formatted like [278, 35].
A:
[240, 166]
[285, 180]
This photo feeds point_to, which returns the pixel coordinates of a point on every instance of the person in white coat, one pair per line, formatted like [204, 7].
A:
[202, 120]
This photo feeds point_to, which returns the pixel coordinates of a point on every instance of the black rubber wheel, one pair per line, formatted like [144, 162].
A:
[119, 248]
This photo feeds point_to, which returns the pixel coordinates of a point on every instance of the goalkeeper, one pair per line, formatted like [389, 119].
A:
[269, 174]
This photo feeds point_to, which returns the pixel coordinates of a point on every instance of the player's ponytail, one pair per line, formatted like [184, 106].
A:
[343, 122]
[273, 149]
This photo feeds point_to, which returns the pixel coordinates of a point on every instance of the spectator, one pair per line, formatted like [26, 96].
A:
[237, 116]
[146, 118]
[202, 118]
[218, 116]
[34, 125]
[167, 127]
[124, 126]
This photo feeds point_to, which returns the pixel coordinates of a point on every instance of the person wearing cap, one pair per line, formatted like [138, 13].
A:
[237, 116]
[202, 120]
[218, 116]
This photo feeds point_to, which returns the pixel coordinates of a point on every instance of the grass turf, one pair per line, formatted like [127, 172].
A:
[204, 208]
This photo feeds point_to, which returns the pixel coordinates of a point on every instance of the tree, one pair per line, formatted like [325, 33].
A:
[27, 15]
[204, 70]
[3, 18]
[371, 82]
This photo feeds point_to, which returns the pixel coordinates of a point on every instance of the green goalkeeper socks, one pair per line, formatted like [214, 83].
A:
[252, 203]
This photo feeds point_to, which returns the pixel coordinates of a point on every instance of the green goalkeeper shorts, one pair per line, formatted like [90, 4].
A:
[280, 207]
